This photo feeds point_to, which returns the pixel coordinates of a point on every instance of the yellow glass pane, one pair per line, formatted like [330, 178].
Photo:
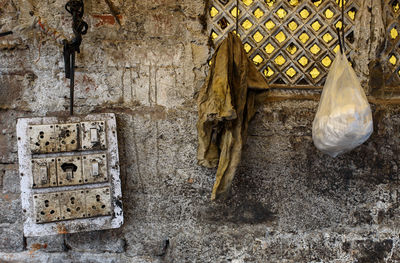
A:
[393, 60]
[281, 13]
[304, 13]
[270, 3]
[293, 25]
[258, 13]
[399, 72]
[214, 35]
[247, 24]
[304, 37]
[336, 49]
[327, 38]
[213, 12]
[316, 26]
[317, 3]
[339, 24]
[247, 2]
[210, 62]
[326, 61]
[352, 14]
[293, 2]
[394, 33]
[315, 73]
[268, 72]
[280, 37]
[258, 37]
[328, 13]
[291, 49]
[258, 59]
[315, 49]
[339, 2]
[270, 24]
[291, 72]
[234, 12]
[280, 60]
[303, 61]
[269, 48]
[396, 7]
[247, 47]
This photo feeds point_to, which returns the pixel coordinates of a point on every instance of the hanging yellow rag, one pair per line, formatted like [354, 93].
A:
[226, 105]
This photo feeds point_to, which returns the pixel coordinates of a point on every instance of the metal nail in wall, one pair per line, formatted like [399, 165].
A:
[292, 42]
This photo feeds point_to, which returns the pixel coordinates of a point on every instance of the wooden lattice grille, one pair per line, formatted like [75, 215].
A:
[292, 42]
[391, 54]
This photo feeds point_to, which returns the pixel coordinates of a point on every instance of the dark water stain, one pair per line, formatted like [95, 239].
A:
[372, 252]
[243, 212]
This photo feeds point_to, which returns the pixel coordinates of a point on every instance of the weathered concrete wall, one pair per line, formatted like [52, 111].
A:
[289, 202]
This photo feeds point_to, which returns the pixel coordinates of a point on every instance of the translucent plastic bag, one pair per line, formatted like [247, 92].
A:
[344, 119]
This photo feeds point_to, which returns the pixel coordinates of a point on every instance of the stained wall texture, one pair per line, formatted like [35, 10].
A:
[289, 202]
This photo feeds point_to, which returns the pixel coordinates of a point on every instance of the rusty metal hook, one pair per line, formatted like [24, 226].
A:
[79, 27]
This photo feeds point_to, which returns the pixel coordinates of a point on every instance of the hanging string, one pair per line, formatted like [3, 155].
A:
[237, 34]
[341, 30]
[340, 40]
[343, 41]
[237, 16]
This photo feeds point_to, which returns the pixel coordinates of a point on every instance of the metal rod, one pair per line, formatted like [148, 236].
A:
[79, 27]
[237, 17]
[343, 40]
[72, 84]
[340, 40]
[5, 33]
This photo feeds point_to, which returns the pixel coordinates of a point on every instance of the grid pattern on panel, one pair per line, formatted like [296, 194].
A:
[292, 42]
[391, 56]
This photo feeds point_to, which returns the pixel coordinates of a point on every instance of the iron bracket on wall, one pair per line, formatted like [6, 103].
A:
[79, 27]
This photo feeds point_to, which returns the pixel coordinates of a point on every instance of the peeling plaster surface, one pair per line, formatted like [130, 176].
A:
[289, 202]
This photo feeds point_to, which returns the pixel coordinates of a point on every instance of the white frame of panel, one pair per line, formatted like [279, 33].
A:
[31, 228]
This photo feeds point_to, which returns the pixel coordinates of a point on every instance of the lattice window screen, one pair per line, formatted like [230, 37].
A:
[292, 42]
[392, 53]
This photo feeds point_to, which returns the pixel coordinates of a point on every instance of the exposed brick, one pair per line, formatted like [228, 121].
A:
[8, 139]
[46, 243]
[289, 202]
[11, 238]
[11, 180]
[10, 207]
[106, 19]
[11, 86]
[96, 241]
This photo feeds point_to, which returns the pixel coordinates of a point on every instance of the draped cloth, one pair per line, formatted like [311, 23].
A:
[226, 104]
